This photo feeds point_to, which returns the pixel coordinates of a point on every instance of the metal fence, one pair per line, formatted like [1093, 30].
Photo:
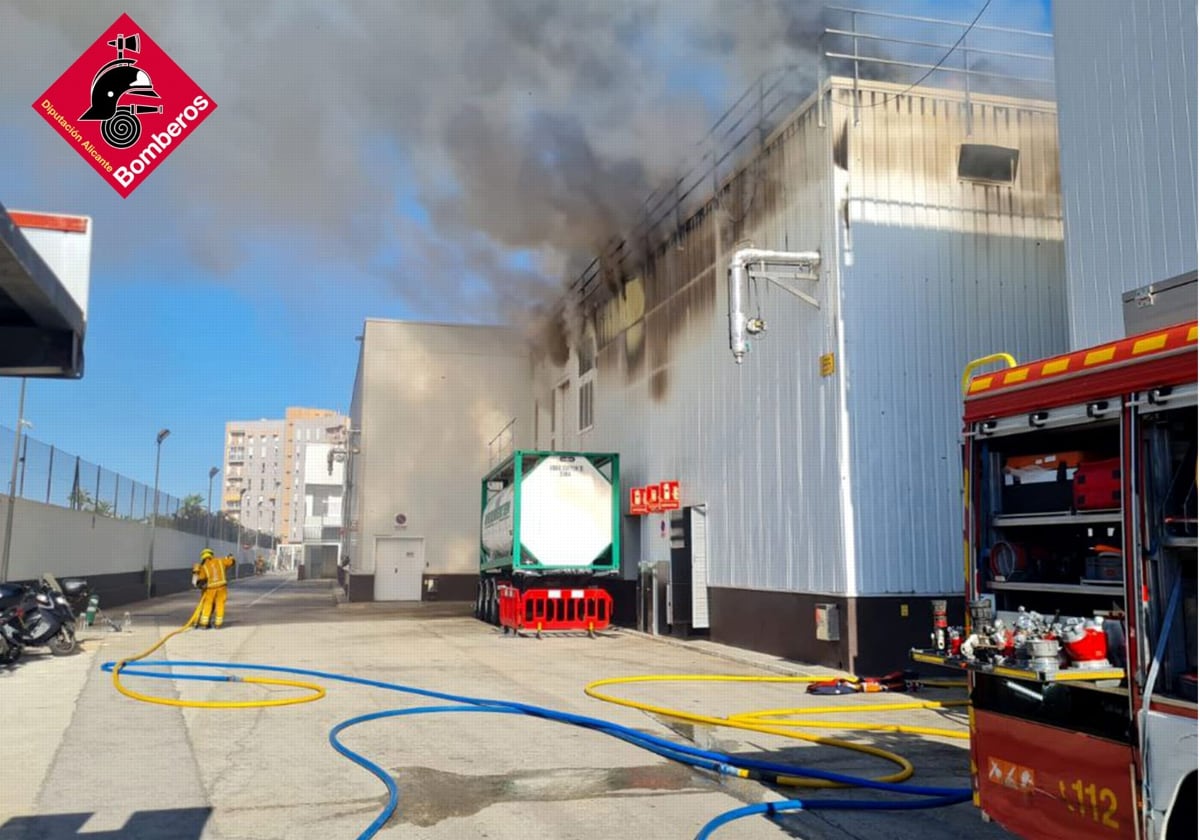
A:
[51, 476]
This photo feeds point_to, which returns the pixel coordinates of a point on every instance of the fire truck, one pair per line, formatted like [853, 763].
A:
[1079, 642]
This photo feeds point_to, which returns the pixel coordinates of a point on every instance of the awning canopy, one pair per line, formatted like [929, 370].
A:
[42, 325]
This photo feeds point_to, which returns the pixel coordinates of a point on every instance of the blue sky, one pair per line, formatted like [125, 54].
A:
[186, 330]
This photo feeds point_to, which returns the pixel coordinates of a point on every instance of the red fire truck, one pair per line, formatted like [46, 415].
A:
[1080, 563]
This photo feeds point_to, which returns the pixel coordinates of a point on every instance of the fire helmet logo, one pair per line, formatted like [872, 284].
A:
[119, 78]
[124, 105]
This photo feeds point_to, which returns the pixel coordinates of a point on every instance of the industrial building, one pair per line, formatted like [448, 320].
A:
[907, 230]
[826, 463]
[430, 402]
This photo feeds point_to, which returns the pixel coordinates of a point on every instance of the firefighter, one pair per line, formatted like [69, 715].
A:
[209, 573]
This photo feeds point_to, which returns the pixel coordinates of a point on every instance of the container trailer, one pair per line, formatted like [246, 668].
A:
[549, 531]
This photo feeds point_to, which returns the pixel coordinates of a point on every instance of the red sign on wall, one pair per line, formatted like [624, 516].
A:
[653, 498]
[637, 501]
[669, 492]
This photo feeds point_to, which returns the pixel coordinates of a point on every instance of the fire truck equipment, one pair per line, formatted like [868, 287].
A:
[940, 625]
[1098, 485]
[1086, 644]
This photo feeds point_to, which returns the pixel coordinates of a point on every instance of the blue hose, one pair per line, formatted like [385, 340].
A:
[721, 763]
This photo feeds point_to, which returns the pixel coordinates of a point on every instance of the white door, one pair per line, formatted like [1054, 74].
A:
[399, 564]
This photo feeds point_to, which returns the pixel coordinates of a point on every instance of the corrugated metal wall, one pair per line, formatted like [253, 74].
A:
[763, 444]
[1126, 78]
[755, 443]
[941, 271]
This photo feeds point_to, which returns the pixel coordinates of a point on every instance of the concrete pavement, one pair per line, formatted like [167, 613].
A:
[96, 764]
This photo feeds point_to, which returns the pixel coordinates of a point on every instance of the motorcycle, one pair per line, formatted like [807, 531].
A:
[10, 652]
[38, 615]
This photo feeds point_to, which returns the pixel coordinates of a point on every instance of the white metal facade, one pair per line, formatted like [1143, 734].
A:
[1126, 79]
[846, 483]
[936, 271]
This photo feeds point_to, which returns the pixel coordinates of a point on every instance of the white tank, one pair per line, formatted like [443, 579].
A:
[566, 510]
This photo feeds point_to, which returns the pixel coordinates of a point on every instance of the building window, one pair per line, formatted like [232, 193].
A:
[585, 405]
[586, 351]
[987, 164]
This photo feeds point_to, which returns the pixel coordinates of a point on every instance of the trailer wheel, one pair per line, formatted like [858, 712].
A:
[479, 600]
[493, 604]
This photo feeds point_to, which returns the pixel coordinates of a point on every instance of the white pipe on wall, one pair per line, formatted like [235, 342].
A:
[737, 280]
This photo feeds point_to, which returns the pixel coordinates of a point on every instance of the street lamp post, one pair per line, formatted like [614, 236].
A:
[162, 435]
[12, 486]
[241, 519]
[211, 472]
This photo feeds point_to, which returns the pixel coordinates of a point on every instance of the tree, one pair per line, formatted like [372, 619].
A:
[81, 499]
[192, 507]
[191, 516]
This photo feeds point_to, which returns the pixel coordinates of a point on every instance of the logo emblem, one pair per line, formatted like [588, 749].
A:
[124, 105]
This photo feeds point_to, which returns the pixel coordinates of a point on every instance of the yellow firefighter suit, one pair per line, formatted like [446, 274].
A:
[209, 575]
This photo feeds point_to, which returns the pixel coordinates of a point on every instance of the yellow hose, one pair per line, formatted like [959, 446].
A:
[317, 691]
[752, 721]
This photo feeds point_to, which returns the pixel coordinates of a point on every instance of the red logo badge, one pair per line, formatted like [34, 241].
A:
[124, 105]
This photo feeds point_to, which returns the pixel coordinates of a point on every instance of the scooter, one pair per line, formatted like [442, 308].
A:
[37, 616]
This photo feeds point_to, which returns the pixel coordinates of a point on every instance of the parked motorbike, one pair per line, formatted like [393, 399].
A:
[10, 652]
[38, 615]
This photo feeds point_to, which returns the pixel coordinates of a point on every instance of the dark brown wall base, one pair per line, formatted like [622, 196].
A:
[624, 594]
[450, 587]
[888, 627]
[875, 634]
[119, 588]
[362, 587]
[779, 623]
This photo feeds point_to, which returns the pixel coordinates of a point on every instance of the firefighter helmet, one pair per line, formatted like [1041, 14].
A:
[116, 79]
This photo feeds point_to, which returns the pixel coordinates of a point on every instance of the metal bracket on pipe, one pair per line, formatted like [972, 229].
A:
[784, 280]
[753, 262]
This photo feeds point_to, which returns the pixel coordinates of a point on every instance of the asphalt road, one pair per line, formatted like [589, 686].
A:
[92, 763]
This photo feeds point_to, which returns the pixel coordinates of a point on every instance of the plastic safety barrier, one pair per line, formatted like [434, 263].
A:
[545, 610]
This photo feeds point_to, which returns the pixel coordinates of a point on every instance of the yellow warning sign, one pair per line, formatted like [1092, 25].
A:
[827, 366]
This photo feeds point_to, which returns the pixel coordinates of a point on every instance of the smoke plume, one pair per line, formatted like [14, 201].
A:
[472, 153]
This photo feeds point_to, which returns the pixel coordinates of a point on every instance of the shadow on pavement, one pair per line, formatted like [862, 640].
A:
[176, 823]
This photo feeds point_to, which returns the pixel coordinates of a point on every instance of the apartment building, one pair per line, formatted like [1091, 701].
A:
[253, 473]
[264, 468]
[303, 427]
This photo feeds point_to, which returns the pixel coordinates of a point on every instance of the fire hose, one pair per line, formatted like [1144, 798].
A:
[712, 761]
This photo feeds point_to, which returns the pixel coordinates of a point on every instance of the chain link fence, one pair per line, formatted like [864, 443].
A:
[51, 476]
